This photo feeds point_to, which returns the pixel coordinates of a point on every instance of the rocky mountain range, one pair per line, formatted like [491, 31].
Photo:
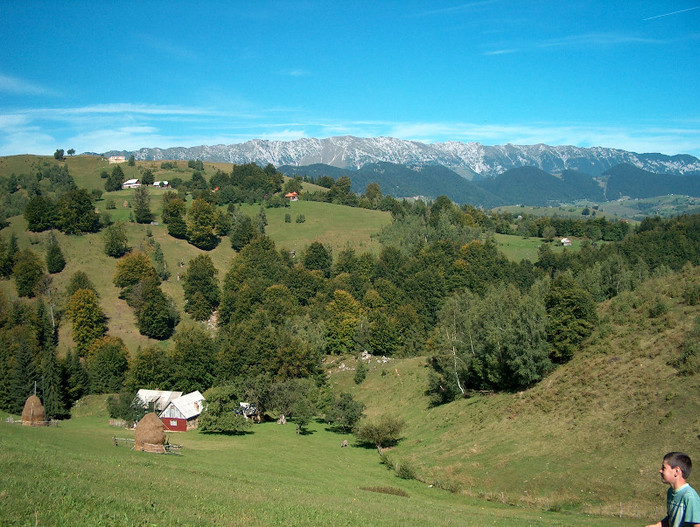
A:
[469, 160]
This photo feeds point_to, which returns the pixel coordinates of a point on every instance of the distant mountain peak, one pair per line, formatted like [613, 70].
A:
[466, 159]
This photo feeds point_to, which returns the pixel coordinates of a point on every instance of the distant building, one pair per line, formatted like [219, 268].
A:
[116, 159]
[131, 183]
[161, 184]
[292, 196]
[566, 242]
[156, 400]
[182, 413]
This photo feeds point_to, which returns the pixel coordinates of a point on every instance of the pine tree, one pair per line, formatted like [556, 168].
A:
[55, 262]
[88, 319]
[161, 266]
[51, 386]
[142, 205]
[22, 376]
[76, 378]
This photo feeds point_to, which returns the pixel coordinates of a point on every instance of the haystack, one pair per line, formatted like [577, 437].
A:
[33, 413]
[149, 435]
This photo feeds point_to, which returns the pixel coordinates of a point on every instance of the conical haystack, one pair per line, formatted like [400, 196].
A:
[149, 435]
[33, 413]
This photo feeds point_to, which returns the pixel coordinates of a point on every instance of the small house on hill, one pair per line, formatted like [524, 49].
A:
[161, 184]
[566, 242]
[182, 413]
[131, 183]
[116, 159]
[156, 400]
[292, 196]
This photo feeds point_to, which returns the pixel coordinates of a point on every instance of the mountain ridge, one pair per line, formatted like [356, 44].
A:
[471, 160]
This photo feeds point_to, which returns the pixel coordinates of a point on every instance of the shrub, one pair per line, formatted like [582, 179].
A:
[384, 431]
[360, 372]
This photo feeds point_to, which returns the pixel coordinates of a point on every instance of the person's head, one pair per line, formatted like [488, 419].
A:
[676, 465]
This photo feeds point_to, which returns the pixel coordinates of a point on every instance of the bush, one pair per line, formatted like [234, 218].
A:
[384, 431]
[360, 372]
[301, 218]
[126, 406]
[345, 411]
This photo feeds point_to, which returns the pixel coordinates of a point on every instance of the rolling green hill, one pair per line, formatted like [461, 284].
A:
[324, 222]
[589, 437]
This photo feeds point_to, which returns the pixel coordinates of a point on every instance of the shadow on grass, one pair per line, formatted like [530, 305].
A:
[228, 434]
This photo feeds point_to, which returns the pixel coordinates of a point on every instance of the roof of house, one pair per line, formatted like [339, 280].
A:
[186, 406]
[130, 182]
[159, 398]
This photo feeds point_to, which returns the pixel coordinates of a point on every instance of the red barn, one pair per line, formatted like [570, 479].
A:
[182, 413]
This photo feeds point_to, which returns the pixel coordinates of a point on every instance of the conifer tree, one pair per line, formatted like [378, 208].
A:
[142, 205]
[76, 377]
[88, 319]
[55, 262]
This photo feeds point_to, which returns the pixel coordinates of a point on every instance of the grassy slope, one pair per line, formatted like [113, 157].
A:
[589, 438]
[325, 222]
[73, 475]
[517, 248]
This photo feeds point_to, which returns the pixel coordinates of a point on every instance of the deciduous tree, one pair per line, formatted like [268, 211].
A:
[28, 270]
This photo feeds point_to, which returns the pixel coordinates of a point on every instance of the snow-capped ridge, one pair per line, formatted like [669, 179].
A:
[467, 159]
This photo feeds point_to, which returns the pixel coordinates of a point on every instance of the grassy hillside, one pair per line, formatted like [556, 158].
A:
[325, 222]
[74, 475]
[517, 248]
[590, 437]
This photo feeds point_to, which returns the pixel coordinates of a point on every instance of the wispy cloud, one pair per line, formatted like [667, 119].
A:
[586, 40]
[296, 73]
[671, 13]
[468, 6]
[16, 86]
[121, 126]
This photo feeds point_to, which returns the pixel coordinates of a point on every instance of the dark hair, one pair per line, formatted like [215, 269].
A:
[680, 460]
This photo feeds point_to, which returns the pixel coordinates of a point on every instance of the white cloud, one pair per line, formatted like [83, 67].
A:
[122, 126]
[17, 86]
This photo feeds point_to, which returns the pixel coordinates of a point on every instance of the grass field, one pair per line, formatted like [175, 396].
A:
[588, 438]
[325, 222]
[517, 248]
[74, 475]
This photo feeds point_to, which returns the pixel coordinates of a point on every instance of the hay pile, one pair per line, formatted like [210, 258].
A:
[149, 435]
[33, 413]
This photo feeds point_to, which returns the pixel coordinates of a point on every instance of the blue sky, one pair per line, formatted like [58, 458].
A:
[99, 76]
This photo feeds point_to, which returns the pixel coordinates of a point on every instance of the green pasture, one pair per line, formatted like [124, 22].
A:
[517, 248]
[335, 226]
[588, 438]
[74, 475]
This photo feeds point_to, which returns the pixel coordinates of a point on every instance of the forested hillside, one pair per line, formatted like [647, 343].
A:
[227, 287]
[628, 180]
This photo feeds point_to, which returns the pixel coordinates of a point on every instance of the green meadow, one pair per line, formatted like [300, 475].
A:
[581, 447]
[517, 248]
[74, 475]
